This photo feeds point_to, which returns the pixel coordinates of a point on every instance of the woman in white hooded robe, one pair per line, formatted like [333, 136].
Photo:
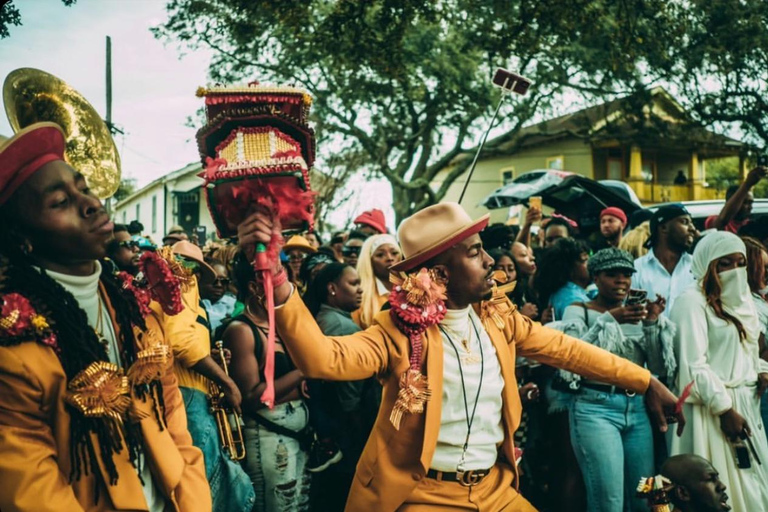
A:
[717, 349]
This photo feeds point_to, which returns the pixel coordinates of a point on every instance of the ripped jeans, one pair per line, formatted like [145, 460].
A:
[276, 463]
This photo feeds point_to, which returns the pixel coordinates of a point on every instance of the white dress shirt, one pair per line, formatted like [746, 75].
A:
[487, 431]
[652, 277]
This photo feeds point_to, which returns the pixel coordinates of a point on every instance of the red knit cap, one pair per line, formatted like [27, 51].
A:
[613, 211]
[26, 152]
[373, 218]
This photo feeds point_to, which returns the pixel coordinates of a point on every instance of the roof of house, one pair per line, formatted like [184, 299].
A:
[193, 168]
[655, 117]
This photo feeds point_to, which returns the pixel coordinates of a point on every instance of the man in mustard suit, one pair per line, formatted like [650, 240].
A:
[91, 418]
[458, 454]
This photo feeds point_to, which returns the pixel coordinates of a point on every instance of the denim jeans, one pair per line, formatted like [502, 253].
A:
[276, 463]
[231, 488]
[613, 441]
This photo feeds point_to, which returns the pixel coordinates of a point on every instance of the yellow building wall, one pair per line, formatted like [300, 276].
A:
[576, 157]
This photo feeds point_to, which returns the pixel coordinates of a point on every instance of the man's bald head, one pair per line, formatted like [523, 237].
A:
[697, 484]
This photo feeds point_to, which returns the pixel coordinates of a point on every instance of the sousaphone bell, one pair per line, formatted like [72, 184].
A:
[31, 96]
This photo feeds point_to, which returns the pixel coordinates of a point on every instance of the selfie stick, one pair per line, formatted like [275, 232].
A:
[508, 86]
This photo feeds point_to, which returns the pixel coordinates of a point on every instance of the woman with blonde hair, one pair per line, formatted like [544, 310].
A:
[717, 343]
[634, 241]
[379, 252]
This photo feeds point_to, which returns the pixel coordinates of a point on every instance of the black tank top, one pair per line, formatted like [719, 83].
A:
[283, 363]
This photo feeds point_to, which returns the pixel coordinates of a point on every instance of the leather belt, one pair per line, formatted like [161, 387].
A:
[605, 388]
[466, 478]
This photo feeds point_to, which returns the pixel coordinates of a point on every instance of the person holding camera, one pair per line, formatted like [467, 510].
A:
[718, 352]
[610, 429]
[738, 204]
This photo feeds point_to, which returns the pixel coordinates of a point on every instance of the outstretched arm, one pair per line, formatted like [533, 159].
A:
[561, 351]
[733, 205]
[353, 357]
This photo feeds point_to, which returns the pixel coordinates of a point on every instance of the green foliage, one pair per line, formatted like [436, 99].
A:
[10, 15]
[406, 83]
[126, 188]
[721, 65]
[722, 173]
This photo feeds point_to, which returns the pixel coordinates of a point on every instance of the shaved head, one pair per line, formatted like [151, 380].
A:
[697, 484]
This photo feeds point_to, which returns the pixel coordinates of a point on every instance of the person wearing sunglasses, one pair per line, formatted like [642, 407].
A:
[123, 251]
[216, 297]
[350, 252]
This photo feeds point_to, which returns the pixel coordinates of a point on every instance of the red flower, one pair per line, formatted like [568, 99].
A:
[140, 294]
[163, 285]
[16, 314]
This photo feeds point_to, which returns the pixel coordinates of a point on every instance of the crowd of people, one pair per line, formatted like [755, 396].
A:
[96, 414]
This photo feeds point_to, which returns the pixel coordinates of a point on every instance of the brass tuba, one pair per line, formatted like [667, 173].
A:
[33, 96]
[229, 424]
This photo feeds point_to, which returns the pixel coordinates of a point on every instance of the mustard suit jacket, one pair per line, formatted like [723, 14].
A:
[35, 450]
[393, 462]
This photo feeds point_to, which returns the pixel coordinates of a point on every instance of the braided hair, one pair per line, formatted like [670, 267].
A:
[79, 347]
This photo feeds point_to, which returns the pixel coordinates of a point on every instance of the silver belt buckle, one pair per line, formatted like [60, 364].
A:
[468, 478]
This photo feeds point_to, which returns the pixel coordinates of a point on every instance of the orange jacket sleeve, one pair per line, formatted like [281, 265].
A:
[561, 351]
[30, 477]
[354, 357]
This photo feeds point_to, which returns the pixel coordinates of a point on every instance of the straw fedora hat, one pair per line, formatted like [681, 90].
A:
[190, 251]
[433, 230]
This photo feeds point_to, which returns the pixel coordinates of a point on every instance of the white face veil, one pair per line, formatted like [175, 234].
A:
[735, 296]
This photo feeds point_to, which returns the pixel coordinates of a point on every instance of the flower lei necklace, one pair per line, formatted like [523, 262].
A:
[418, 302]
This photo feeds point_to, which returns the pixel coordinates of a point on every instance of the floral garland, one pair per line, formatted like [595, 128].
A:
[19, 321]
[165, 278]
[417, 303]
[139, 293]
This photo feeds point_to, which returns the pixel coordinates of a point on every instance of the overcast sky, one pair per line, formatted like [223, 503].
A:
[153, 88]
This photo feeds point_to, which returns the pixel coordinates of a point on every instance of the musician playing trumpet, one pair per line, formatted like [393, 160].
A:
[198, 375]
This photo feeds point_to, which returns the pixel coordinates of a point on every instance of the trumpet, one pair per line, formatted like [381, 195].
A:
[229, 424]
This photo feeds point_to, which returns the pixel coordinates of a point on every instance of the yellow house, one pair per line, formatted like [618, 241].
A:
[647, 141]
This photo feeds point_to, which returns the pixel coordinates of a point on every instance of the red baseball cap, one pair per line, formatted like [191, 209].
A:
[26, 152]
[373, 218]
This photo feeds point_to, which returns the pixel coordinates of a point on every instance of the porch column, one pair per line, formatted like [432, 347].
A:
[695, 180]
[635, 178]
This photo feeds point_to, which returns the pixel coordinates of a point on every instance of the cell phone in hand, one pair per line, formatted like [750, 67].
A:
[741, 452]
[511, 81]
[635, 297]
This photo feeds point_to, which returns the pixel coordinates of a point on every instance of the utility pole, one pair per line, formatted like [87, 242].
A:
[109, 84]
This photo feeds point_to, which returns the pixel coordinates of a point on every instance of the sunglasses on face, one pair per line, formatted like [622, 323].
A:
[297, 257]
[351, 251]
[223, 281]
[128, 244]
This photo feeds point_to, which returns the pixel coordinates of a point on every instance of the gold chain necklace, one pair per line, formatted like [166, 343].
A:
[468, 357]
[99, 329]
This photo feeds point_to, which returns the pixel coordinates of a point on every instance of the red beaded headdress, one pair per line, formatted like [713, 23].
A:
[257, 149]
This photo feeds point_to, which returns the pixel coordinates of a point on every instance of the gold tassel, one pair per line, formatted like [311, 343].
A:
[151, 360]
[413, 395]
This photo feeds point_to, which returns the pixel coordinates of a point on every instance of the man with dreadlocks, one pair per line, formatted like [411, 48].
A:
[91, 417]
